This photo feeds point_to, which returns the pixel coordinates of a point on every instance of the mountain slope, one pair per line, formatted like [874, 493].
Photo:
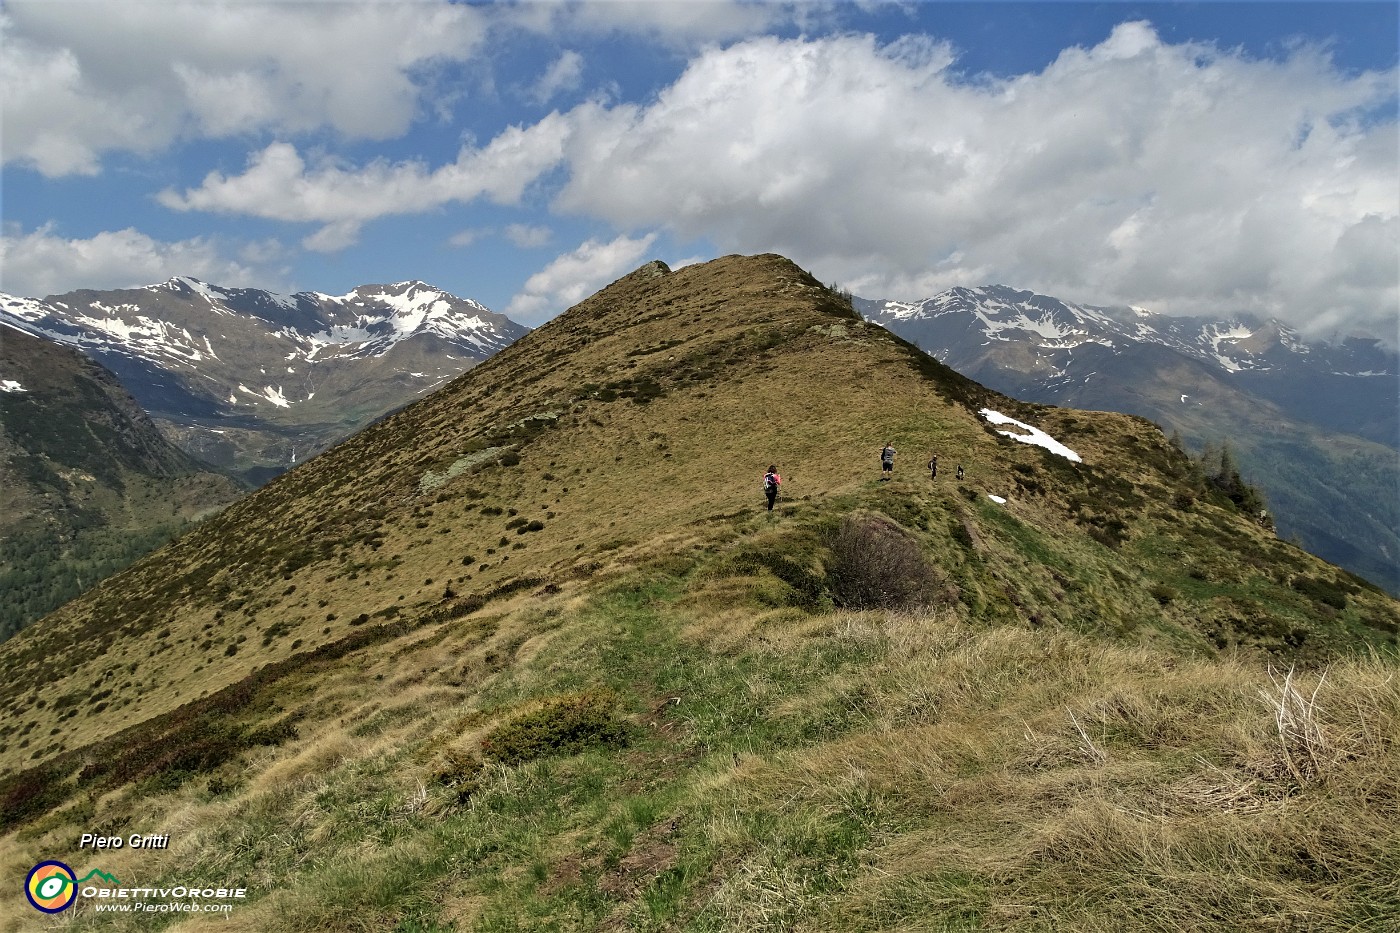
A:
[89, 484]
[530, 653]
[1314, 425]
[253, 381]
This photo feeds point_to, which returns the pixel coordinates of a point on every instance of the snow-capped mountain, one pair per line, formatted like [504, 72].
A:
[1237, 344]
[254, 380]
[1051, 349]
[1315, 424]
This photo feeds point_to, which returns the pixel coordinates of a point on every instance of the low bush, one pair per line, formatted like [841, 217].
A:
[875, 564]
[1323, 591]
[30, 793]
[566, 725]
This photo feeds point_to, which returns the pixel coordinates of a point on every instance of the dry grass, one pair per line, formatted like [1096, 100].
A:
[996, 778]
[307, 760]
[1166, 798]
[1303, 745]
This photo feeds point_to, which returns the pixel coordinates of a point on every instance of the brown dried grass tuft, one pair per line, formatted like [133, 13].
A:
[1303, 746]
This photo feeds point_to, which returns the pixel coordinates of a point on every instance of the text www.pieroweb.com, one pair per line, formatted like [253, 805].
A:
[141, 907]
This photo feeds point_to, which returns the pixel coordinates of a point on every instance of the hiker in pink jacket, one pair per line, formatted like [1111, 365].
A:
[771, 482]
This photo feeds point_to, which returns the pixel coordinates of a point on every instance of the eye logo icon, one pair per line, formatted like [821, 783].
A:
[51, 887]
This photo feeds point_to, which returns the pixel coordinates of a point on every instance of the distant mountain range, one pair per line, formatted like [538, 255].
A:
[1315, 424]
[253, 381]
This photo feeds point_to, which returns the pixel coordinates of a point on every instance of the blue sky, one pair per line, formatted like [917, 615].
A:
[1192, 158]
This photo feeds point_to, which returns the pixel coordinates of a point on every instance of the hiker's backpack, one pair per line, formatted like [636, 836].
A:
[770, 484]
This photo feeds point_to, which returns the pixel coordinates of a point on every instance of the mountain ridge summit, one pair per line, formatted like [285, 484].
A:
[642, 418]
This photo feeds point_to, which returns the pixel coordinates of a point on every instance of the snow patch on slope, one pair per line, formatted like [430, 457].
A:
[275, 396]
[27, 309]
[1216, 335]
[1034, 436]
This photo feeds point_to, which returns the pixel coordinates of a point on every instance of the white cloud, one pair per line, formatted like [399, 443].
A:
[1185, 177]
[84, 77]
[676, 23]
[524, 236]
[565, 74]
[1181, 177]
[573, 276]
[279, 185]
[39, 263]
[467, 237]
[528, 237]
[332, 238]
[53, 124]
[81, 78]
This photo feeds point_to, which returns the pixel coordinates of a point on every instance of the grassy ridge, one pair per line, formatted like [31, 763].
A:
[530, 655]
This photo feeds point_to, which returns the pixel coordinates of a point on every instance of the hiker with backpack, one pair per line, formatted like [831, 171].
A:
[771, 482]
[933, 467]
[887, 461]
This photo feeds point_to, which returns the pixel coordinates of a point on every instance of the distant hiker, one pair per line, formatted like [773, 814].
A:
[933, 467]
[771, 482]
[960, 471]
[887, 461]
